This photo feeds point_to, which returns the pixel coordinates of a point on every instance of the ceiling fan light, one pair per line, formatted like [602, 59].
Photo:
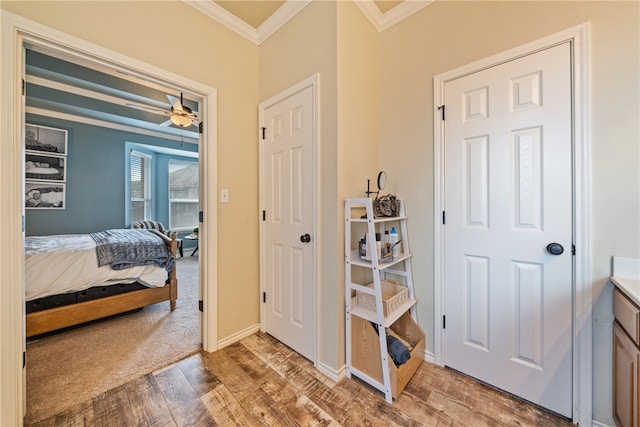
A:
[182, 121]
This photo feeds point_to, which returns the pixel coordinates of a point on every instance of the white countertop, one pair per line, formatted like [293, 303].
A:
[626, 276]
[630, 288]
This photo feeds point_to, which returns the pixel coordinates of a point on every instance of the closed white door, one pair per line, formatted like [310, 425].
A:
[508, 196]
[288, 246]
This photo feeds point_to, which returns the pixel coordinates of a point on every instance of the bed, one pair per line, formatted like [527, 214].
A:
[76, 278]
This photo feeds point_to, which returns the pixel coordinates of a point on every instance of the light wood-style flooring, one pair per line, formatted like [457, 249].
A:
[260, 381]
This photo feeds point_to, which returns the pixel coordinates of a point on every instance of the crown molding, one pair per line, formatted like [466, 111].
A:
[381, 21]
[225, 18]
[287, 11]
[280, 17]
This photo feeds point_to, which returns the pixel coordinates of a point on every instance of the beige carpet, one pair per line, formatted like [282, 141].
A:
[78, 364]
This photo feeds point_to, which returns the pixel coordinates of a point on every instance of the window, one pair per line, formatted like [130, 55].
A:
[183, 195]
[140, 186]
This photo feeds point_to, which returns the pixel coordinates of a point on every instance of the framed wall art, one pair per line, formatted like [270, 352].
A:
[44, 195]
[45, 167]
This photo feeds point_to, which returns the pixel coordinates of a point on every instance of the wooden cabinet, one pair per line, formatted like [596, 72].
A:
[379, 300]
[626, 361]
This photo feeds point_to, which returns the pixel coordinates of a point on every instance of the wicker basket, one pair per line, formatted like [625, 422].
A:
[393, 296]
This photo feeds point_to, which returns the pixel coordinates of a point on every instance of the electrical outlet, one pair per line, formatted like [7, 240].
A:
[224, 195]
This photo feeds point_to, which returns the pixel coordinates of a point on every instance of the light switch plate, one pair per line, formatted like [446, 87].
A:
[224, 195]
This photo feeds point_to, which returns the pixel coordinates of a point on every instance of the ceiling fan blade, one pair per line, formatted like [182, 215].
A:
[175, 103]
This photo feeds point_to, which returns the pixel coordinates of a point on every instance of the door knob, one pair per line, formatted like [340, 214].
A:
[305, 238]
[555, 248]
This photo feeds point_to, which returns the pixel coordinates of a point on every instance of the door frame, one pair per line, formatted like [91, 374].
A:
[17, 32]
[313, 82]
[579, 37]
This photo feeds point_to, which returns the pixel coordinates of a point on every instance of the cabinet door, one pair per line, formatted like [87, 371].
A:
[625, 379]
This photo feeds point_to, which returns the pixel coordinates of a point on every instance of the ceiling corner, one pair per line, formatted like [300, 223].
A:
[401, 12]
[281, 17]
[219, 14]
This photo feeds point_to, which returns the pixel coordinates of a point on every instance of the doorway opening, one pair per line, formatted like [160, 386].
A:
[32, 37]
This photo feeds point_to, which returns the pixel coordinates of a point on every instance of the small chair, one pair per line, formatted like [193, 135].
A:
[155, 225]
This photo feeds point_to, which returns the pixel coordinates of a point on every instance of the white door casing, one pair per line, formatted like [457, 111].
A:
[288, 241]
[507, 179]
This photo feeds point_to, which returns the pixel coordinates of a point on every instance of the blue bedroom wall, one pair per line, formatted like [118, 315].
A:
[96, 179]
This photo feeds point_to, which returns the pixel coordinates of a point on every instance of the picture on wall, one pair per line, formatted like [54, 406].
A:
[45, 139]
[47, 168]
[44, 195]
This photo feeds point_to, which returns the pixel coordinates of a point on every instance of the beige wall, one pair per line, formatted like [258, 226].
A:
[446, 35]
[174, 36]
[358, 128]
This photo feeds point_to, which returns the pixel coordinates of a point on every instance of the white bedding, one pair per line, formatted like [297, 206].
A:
[68, 263]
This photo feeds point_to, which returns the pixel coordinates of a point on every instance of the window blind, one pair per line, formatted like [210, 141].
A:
[184, 193]
[140, 186]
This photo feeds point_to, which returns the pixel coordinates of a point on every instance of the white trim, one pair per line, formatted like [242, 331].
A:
[329, 372]
[12, 391]
[582, 321]
[314, 83]
[382, 21]
[279, 18]
[287, 11]
[18, 32]
[238, 336]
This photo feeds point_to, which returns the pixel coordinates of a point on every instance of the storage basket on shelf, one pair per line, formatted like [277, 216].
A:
[393, 296]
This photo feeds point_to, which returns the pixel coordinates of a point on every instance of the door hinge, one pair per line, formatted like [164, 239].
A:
[264, 215]
[444, 322]
[441, 108]
[201, 305]
[264, 297]
[24, 359]
[444, 218]
[201, 127]
[264, 131]
[201, 216]
[573, 249]
[24, 87]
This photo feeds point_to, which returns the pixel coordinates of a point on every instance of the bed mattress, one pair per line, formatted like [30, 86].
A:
[68, 263]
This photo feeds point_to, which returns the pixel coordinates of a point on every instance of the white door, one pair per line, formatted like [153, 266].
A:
[288, 197]
[507, 196]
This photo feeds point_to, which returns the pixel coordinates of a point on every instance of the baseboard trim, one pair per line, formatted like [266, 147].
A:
[240, 335]
[331, 373]
[429, 356]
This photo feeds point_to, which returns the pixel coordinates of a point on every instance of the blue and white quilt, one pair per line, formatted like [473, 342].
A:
[125, 248]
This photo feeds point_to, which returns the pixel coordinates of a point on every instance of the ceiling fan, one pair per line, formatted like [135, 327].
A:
[179, 114]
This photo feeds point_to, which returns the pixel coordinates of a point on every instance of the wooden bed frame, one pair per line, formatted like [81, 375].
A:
[55, 318]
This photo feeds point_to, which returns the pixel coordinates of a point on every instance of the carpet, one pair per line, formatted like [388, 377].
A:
[75, 365]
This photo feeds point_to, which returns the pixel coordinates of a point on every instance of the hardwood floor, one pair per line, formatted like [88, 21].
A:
[260, 381]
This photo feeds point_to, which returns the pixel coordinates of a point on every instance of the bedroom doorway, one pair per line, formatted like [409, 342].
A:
[29, 35]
